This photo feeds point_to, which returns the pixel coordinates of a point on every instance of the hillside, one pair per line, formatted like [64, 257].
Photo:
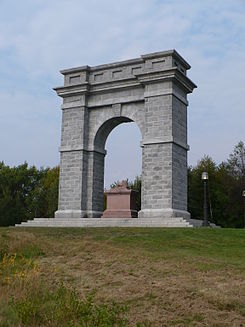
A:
[122, 277]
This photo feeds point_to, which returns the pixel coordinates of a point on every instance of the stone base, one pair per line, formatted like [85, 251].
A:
[77, 214]
[163, 213]
[112, 222]
[105, 222]
[120, 214]
[145, 213]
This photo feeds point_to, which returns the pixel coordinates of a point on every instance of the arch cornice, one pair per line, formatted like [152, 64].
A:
[126, 75]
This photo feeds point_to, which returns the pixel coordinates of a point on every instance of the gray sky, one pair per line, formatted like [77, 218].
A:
[40, 37]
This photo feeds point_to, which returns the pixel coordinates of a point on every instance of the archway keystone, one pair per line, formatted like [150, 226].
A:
[151, 91]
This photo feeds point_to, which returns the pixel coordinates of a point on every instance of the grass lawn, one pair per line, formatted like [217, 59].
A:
[122, 277]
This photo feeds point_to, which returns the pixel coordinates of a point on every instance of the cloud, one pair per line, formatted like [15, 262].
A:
[39, 37]
[30, 129]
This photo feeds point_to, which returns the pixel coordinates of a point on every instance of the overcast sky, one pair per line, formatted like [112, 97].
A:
[40, 37]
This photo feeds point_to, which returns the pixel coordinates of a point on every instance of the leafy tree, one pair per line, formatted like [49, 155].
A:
[26, 192]
[45, 201]
[195, 187]
[236, 167]
[136, 185]
[236, 162]
[16, 192]
[225, 185]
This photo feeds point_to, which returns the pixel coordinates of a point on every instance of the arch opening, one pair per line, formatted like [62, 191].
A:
[105, 129]
[123, 158]
[124, 155]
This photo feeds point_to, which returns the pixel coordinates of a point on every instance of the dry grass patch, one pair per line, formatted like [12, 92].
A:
[163, 277]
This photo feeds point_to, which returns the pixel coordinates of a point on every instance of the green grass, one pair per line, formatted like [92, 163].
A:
[122, 277]
[223, 245]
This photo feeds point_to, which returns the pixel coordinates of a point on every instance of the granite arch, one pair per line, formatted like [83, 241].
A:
[151, 91]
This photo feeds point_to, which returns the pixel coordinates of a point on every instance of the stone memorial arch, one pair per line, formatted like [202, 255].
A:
[150, 91]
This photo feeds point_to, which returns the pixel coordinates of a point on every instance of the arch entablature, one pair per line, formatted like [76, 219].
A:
[106, 119]
[151, 91]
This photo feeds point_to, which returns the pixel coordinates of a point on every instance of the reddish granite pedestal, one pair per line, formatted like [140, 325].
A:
[121, 202]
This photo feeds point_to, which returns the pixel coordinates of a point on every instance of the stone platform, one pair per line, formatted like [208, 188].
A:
[112, 222]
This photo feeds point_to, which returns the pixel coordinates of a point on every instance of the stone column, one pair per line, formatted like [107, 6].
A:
[74, 144]
[164, 155]
[95, 183]
[73, 163]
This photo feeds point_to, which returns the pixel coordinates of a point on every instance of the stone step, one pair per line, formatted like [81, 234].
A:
[106, 219]
[94, 220]
[100, 226]
[106, 222]
[113, 222]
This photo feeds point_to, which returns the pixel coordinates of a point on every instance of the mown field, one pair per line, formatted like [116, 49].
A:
[122, 277]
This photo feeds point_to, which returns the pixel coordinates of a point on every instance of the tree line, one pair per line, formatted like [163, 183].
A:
[225, 187]
[27, 192]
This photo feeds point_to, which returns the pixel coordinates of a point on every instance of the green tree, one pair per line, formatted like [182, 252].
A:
[16, 193]
[195, 188]
[45, 200]
[225, 185]
[27, 192]
[136, 185]
[236, 167]
[236, 162]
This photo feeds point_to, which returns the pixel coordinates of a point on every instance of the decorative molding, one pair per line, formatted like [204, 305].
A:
[80, 148]
[164, 140]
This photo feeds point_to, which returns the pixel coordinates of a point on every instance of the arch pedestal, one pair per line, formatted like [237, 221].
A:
[152, 92]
